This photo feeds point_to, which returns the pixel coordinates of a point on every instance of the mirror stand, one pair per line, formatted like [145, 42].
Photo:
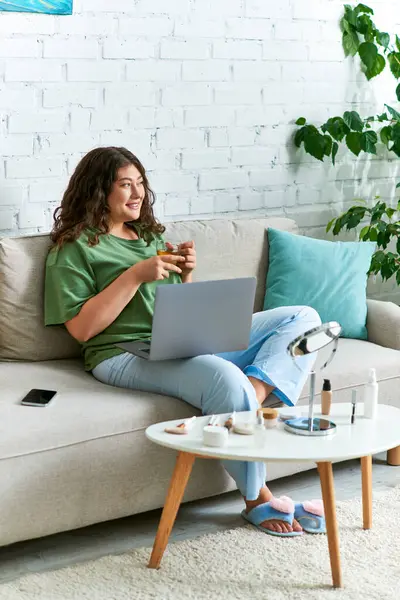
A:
[310, 426]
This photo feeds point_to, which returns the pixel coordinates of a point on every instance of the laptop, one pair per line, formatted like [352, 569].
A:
[206, 317]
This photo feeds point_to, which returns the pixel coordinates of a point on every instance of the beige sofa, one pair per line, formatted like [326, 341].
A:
[85, 458]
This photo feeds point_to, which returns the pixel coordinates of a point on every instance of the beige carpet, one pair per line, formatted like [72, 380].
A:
[241, 564]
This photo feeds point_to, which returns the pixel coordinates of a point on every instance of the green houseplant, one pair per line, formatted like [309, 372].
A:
[383, 228]
[357, 134]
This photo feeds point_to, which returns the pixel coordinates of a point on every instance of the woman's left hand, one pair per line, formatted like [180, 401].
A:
[187, 249]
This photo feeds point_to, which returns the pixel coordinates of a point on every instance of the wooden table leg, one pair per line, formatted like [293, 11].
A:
[393, 457]
[366, 478]
[328, 496]
[180, 477]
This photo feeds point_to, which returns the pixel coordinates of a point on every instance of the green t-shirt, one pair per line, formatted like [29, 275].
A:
[77, 272]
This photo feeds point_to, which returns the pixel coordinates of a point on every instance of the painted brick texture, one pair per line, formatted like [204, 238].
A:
[205, 92]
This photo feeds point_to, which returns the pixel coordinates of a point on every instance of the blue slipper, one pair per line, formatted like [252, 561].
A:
[310, 515]
[281, 509]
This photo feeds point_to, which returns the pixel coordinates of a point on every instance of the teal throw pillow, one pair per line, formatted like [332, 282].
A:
[328, 276]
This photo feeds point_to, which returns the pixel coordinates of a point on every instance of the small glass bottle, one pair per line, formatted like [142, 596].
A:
[259, 428]
[326, 397]
[260, 420]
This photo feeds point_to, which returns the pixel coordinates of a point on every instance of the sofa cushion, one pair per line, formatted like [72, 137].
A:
[85, 459]
[329, 276]
[86, 409]
[225, 249]
[22, 332]
[349, 369]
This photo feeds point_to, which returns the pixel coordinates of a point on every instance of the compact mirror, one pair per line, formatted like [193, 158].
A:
[311, 341]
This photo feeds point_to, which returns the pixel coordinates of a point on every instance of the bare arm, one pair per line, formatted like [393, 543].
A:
[101, 310]
[187, 278]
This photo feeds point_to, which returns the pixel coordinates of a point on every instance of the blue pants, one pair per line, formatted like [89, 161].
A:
[219, 384]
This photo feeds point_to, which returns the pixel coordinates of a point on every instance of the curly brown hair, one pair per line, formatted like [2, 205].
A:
[84, 204]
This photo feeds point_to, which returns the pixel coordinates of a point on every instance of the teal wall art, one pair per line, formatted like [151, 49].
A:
[51, 7]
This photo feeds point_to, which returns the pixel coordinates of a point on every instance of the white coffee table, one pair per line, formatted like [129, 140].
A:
[363, 439]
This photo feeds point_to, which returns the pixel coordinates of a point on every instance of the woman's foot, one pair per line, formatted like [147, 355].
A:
[272, 525]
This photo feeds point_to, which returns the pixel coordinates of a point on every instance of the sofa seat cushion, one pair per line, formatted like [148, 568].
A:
[83, 408]
[86, 409]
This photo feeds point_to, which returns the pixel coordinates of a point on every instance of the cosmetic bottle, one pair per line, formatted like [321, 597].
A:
[259, 429]
[270, 417]
[326, 397]
[371, 389]
[259, 421]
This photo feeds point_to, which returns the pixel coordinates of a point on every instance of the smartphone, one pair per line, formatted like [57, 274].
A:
[38, 397]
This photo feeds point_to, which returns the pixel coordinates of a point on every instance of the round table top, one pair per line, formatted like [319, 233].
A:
[365, 437]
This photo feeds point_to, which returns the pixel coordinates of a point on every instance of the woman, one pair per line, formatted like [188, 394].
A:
[101, 277]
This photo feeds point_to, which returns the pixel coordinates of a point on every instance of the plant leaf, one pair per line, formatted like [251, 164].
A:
[383, 39]
[368, 141]
[376, 68]
[398, 185]
[373, 234]
[363, 8]
[398, 43]
[329, 226]
[366, 27]
[299, 136]
[383, 117]
[353, 120]
[396, 134]
[394, 62]
[393, 112]
[353, 141]
[336, 127]
[396, 149]
[335, 148]
[386, 134]
[328, 145]
[350, 15]
[398, 92]
[315, 144]
[351, 42]
[368, 53]
[363, 233]
[301, 121]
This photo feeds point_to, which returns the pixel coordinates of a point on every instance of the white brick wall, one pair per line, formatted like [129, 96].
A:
[204, 91]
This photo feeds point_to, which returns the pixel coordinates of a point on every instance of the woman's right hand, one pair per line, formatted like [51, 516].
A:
[157, 268]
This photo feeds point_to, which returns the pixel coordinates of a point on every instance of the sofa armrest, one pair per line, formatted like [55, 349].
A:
[383, 323]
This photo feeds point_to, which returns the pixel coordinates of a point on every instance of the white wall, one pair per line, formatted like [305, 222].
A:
[204, 91]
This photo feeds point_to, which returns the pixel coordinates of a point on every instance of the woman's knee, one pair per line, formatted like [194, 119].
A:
[309, 316]
[228, 389]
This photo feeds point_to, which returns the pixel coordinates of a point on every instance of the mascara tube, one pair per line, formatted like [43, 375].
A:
[353, 405]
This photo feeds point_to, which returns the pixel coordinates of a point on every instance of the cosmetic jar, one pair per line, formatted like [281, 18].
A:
[243, 428]
[270, 417]
[215, 436]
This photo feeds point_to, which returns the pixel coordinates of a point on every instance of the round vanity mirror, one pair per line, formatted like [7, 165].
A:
[315, 339]
[311, 341]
